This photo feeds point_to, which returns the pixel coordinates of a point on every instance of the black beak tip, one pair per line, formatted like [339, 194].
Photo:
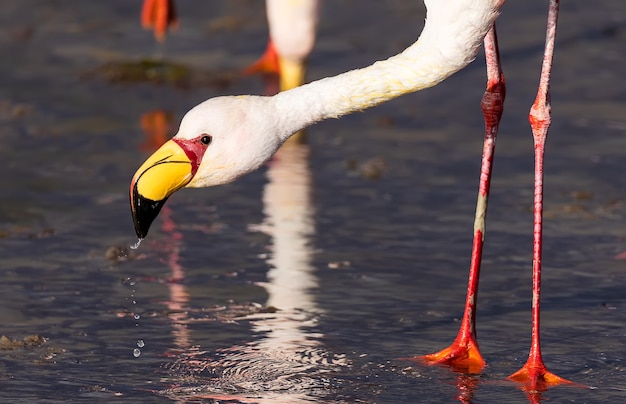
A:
[144, 212]
[141, 225]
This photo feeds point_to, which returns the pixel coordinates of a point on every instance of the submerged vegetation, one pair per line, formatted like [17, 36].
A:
[161, 72]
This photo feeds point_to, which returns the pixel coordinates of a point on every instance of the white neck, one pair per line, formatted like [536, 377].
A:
[452, 35]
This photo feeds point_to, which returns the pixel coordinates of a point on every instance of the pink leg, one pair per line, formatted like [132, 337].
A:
[534, 375]
[463, 354]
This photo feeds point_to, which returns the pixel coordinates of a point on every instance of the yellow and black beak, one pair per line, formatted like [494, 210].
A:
[166, 171]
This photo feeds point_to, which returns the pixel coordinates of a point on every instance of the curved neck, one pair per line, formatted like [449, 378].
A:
[451, 38]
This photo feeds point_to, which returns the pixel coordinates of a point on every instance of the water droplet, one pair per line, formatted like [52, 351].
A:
[140, 343]
[136, 245]
[136, 316]
[136, 352]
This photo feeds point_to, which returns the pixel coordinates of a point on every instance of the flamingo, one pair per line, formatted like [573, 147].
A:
[224, 138]
[292, 28]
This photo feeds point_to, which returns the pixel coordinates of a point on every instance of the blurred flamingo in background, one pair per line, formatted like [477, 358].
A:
[292, 30]
[292, 33]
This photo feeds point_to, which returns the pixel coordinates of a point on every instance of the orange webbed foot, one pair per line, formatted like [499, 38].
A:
[159, 15]
[536, 379]
[267, 64]
[462, 356]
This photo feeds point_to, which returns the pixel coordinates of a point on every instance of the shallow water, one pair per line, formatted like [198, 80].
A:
[308, 280]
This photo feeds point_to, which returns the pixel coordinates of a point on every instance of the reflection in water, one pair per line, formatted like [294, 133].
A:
[289, 221]
[466, 385]
[287, 363]
[178, 295]
[157, 126]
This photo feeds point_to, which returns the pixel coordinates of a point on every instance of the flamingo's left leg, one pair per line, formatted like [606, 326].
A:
[463, 354]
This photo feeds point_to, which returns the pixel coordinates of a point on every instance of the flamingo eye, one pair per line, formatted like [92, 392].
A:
[206, 140]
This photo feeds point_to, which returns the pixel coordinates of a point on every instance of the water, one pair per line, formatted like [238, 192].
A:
[136, 245]
[307, 280]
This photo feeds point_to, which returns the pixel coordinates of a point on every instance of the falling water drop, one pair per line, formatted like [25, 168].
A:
[136, 245]
[140, 343]
[137, 316]
[136, 352]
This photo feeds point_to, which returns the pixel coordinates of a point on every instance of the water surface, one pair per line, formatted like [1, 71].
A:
[307, 280]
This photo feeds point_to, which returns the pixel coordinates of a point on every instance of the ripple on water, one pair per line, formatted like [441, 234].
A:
[286, 364]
